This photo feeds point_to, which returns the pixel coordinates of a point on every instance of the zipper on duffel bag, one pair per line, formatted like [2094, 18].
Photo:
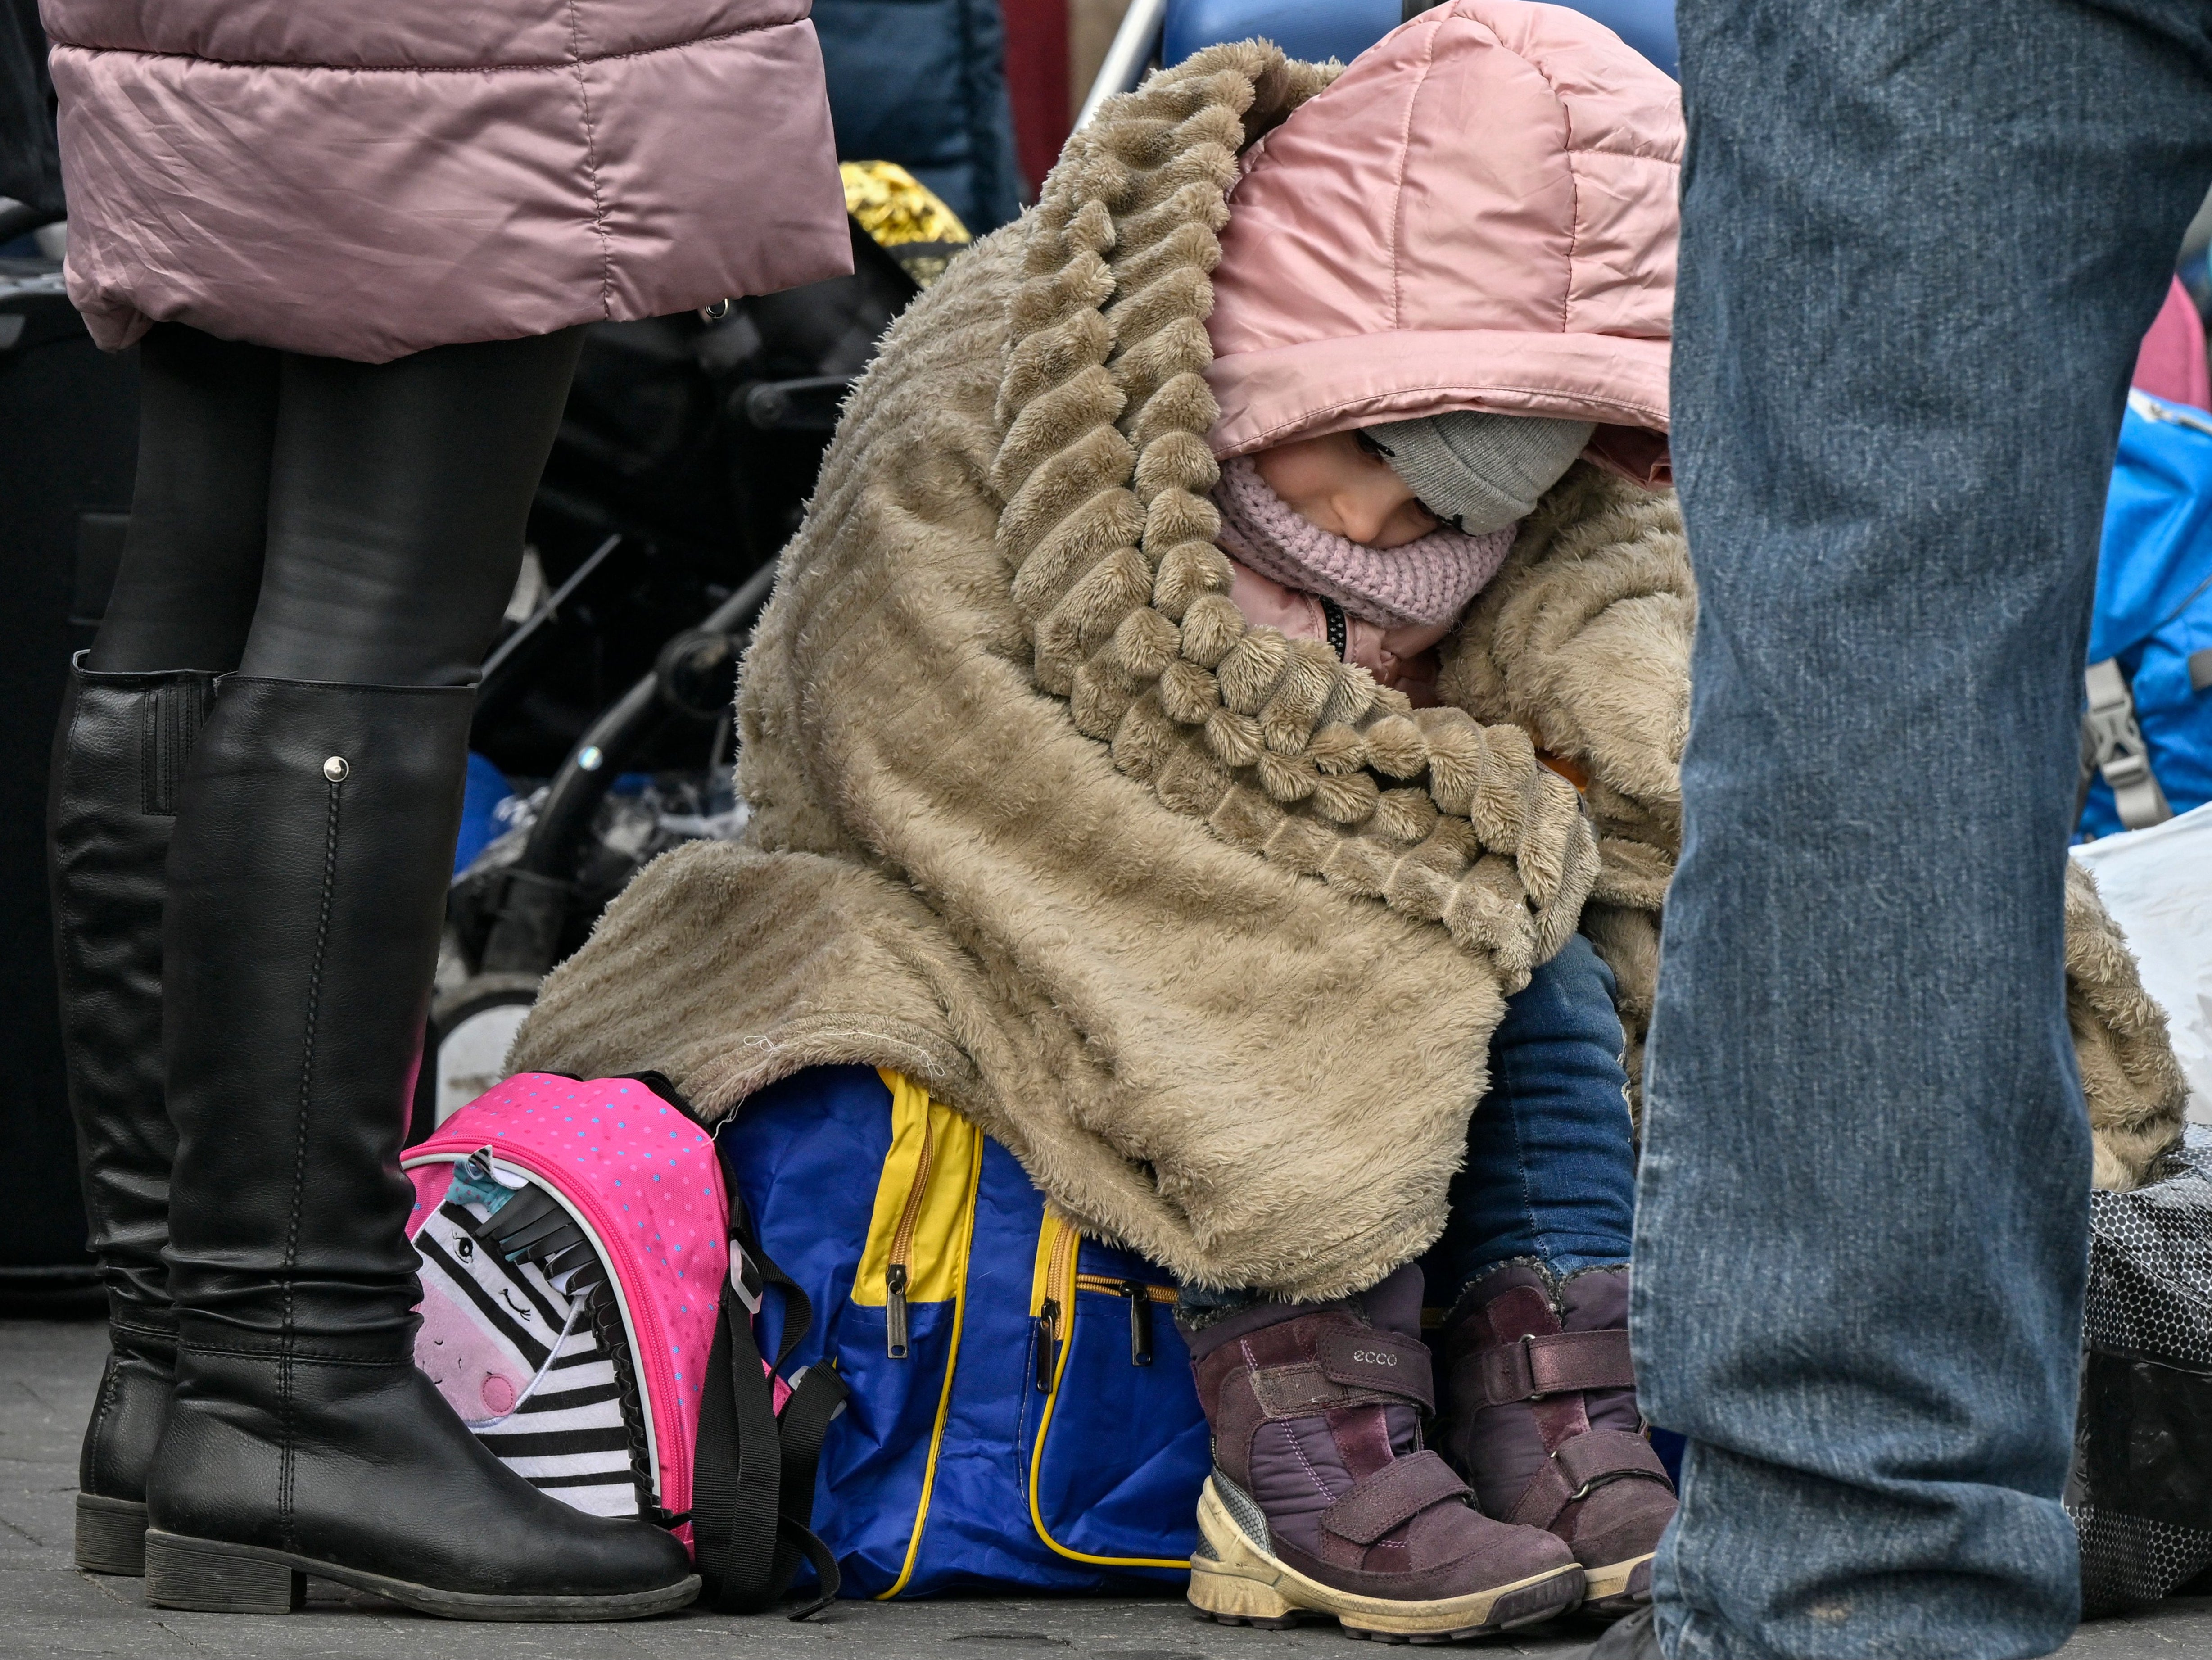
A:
[1141, 1297]
[920, 1232]
[894, 1275]
[1054, 1312]
[1057, 1284]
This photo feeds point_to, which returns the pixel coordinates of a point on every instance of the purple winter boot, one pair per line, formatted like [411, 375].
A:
[1322, 1499]
[1541, 1416]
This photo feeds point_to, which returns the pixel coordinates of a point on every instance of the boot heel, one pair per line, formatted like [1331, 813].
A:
[1236, 1600]
[111, 1535]
[202, 1576]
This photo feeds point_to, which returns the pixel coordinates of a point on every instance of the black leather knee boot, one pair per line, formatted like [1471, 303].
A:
[118, 753]
[307, 877]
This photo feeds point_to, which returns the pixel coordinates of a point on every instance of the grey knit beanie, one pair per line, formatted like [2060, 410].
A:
[1482, 471]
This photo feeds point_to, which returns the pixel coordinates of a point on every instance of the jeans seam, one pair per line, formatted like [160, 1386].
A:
[1536, 1233]
[1688, 1643]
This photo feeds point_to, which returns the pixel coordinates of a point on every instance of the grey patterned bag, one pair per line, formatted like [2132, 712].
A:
[2141, 1487]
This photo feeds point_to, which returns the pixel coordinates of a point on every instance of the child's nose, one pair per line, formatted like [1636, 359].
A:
[1364, 513]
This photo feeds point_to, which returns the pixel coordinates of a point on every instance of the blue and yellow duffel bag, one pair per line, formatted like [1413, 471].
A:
[1022, 1414]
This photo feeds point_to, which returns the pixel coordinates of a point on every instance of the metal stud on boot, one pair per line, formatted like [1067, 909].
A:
[119, 751]
[1542, 1420]
[1322, 1499]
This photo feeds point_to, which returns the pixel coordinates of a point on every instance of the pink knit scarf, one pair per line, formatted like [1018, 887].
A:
[1430, 580]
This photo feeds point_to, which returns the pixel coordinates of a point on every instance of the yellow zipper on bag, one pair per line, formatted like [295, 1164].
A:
[922, 1208]
[1052, 1300]
[919, 1238]
[1055, 1286]
[894, 1272]
[1142, 1296]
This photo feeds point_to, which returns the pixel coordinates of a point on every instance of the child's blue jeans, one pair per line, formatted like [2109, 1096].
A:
[1551, 1158]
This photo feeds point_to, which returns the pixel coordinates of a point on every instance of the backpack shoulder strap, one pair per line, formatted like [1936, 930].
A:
[752, 1479]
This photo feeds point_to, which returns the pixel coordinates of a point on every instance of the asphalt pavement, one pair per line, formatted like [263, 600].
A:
[48, 1370]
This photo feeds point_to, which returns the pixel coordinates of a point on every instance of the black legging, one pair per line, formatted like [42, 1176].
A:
[312, 518]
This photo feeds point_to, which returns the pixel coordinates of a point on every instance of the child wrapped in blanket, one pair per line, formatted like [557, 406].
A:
[1414, 455]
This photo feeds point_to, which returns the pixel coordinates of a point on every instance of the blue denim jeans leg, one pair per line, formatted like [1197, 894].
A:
[1551, 1161]
[1920, 244]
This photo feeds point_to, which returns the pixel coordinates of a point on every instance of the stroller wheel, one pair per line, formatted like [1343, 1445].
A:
[470, 1030]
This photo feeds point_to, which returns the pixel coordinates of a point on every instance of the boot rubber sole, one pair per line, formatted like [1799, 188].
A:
[204, 1575]
[1240, 1583]
[111, 1535]
[1618, 1588]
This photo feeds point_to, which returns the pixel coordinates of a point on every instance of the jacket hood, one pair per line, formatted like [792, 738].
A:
[1479, 213]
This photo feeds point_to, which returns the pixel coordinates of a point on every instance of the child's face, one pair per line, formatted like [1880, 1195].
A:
[1338, 484]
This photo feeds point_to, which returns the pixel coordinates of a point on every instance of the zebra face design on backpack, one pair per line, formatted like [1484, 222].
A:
[508, 1339]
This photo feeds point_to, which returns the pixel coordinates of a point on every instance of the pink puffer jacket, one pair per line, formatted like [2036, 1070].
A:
[366, 179]
[1479, 214]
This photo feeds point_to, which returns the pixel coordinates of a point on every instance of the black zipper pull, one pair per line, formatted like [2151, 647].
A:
[1047, 1345]
[895, 1311]
[1141, 1320]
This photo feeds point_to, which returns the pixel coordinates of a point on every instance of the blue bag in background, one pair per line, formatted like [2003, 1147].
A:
[2147, 738]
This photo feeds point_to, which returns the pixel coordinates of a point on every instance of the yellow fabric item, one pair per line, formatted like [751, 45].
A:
[893, 206]
[927, 1193]
[937, 1242]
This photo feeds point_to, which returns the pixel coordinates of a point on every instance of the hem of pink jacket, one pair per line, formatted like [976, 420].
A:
[1268, 396]
[117, 328]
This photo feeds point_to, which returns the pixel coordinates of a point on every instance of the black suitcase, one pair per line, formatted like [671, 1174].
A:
[69, 444]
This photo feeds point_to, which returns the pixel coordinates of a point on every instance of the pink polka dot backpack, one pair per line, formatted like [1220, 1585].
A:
[588, 1288]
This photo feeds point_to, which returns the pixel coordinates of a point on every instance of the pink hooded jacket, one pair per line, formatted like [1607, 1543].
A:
[364, 180]
[1479, 214]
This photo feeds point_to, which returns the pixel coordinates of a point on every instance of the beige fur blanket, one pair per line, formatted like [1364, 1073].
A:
[1210, 932]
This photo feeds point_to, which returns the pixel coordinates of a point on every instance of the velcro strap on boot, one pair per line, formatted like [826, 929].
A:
[1588, 1461]
[1559, 1362]
[1380, 1361]
[1397, 1492]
